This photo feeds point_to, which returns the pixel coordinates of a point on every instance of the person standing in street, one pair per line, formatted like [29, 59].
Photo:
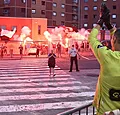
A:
[59, 49]
[2, 51]
[51, 62]
[107, 94]
[37, 50]
[73, 57]
[21, 51]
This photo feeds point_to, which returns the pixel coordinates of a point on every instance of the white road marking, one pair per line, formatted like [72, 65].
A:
[41, 83]
[44, 106]
[45, 96]
[65, 88]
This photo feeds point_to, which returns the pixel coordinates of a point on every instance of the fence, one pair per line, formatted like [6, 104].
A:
[79, 110]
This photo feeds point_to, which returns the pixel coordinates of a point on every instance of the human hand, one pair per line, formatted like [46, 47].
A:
[104, 15]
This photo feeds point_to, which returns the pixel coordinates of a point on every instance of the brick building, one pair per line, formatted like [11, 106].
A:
[74, 13]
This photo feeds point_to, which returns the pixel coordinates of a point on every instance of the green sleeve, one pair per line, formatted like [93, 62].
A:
[98, 49]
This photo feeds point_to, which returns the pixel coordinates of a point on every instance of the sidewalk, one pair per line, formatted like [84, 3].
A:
[17, 56]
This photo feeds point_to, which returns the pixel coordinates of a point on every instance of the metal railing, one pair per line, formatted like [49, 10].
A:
[79, 110]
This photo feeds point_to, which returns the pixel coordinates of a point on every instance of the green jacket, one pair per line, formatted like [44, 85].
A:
[109, 76]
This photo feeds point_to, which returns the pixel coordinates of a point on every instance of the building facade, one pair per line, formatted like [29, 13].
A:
[73, 13]
[89, 12]
[58, 12]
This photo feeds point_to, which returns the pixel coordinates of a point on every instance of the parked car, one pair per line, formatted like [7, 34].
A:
[32, 51]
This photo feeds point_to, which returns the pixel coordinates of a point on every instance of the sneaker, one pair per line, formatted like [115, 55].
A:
[70, 71]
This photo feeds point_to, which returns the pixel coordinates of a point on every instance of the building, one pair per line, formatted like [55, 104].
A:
[89, 12]
[58, 12]
[73, 13]
[29, 31]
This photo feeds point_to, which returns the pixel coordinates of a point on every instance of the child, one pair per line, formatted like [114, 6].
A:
[51, 62]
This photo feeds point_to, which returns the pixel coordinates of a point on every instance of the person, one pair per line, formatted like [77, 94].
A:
[2, 51]
[59, 49]
[21, 50]
[25, 49]
[37, 50]
[107, 94]
[11, 52]
[51, 62]
[5, 49]
[73, 57]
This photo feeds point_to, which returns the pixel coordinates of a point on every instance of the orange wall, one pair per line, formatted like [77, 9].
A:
[32, 23]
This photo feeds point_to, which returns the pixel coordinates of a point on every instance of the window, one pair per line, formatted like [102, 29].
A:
[62, 23]
[86, 8]
[6, 10]
[3, 27]
[114, 7]
[74, 17]
[43, 12]
[33, 1]
[13, 27]
[33, 11]
[85, 0]
[54, 13]
[94, 16]
[94, 7]
[94, 25]
[23, 10]
[75, 1]
[63, 6]
[54, 4]
[114, 24]
[23, 1]
[85, 25]
[86, 16]
[54, 23]
[62, 14]
[6, 1]
[43, 2]
[39, 29]
[75, 9]
[114, 16]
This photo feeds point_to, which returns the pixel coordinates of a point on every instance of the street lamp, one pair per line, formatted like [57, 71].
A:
[26, 8]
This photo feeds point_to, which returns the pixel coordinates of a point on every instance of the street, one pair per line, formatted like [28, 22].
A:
[26, 88]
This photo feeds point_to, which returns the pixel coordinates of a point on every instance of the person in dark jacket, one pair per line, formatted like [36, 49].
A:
[51, 62]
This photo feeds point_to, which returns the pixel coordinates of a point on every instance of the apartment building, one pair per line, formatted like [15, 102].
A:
[73, 13]
[58, 12]
[89, 12]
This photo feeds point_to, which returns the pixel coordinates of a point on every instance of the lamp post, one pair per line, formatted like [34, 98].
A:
[15, 8]
[26, 8]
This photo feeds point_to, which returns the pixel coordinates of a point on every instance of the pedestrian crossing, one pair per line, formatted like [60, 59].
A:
[25, 86]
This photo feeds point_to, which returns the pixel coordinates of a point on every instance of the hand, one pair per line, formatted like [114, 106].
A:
[104, 15]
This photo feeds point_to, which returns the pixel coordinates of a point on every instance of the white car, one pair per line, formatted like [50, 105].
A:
[32, 51]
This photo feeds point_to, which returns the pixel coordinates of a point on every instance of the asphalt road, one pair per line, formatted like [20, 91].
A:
[26, 88]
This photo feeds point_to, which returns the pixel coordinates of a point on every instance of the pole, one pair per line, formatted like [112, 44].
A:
[15, 8]
[26, 8]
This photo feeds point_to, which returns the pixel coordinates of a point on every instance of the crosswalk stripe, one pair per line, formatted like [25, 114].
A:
[65, 88]
[7, 77]
[43, 84]
[45, 96]
[30, 79]
[26, 81]
[44, 106]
